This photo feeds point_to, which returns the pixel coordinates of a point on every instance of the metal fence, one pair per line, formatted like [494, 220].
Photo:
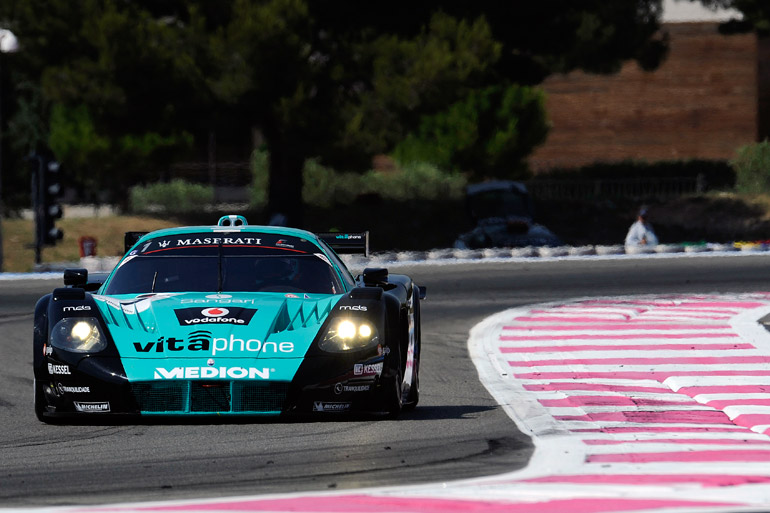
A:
[629, 188]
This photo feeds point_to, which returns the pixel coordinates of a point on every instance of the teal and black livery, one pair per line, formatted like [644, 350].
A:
[228, 320]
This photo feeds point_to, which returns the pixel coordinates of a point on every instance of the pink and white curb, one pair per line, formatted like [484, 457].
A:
[633, 404]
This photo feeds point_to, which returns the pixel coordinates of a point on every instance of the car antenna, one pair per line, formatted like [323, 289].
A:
[219, 269]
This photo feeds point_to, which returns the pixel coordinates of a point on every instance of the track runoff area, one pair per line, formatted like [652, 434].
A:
[644, 403]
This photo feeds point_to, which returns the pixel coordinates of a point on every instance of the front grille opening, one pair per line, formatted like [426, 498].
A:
[259, 397]
[209, 397]
[168, 396]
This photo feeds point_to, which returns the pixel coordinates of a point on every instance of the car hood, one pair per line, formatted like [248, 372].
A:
[204, 327]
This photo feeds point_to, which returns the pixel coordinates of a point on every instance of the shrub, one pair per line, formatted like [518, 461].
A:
[260, 173]
[174, 197]
[752, 168]
[325, 187]
[416, 180]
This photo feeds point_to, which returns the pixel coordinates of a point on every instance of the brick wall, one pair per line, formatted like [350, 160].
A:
[701, 103]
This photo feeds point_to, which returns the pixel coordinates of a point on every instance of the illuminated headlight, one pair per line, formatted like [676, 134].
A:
[349, 335]
[78, 334]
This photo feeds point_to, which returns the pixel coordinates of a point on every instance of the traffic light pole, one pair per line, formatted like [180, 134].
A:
[37, 204]
[46, 189]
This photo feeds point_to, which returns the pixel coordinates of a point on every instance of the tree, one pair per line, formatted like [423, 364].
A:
[117, 86]
[126, 86]
[756, 13]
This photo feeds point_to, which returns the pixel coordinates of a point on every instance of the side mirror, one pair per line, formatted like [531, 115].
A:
[75, 277]
[375, 276]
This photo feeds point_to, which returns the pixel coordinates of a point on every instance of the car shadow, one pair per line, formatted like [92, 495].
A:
[419, 413]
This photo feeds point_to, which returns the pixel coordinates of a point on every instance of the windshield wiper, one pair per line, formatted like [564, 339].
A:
[154, 279]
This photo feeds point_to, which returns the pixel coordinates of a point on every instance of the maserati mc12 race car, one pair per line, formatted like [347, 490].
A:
[228, 320]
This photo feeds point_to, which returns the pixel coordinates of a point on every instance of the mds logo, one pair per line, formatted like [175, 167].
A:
[214, 315]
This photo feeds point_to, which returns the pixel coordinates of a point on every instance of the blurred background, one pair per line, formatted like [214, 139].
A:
[120, 115]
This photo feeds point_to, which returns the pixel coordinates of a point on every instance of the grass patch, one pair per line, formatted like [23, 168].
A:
[19, 238]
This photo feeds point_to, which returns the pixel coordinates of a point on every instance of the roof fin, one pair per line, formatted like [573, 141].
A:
[232, 220]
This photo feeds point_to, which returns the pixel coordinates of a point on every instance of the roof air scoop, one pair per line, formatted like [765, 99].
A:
[232, 220]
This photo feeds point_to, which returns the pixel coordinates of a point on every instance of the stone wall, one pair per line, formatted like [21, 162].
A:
[702, 103]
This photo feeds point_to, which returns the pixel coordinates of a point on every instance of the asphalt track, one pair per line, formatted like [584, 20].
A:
[457, 431]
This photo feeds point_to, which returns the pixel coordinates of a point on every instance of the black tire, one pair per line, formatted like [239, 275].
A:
[413, 397]
[394, 402]
[39, 401]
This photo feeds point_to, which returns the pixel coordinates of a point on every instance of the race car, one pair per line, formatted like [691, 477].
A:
[229, 320]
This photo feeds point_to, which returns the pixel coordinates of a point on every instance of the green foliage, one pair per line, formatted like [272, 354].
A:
[143, 84]
[488, 133]
[260, 175]
[752, 168]
[73, 137]
[414, 181]
[325, 187]
[174, 197]
[756, 13]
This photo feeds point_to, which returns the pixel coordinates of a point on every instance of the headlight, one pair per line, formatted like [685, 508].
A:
[349, 335]
[78, 334]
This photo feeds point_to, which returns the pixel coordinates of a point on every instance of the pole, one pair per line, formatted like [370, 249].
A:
[1, 161]
[8, 44]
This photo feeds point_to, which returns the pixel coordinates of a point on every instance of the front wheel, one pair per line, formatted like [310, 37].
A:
[413, 397]
[394, 402]
[40, 402]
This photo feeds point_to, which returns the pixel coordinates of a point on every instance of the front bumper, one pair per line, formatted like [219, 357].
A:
[97, 387]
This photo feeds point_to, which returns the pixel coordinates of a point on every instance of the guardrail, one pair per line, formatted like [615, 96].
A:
[359, 262]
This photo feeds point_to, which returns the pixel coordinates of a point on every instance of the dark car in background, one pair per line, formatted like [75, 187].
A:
[503, 214]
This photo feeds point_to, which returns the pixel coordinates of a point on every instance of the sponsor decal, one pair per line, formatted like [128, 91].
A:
[212, 372]
[92, 407]
[47, 350]
[220, 299]
[354, 308]
[283, 243]
[214, 315]
[164, 243]
[72, 390]
[333, 407]
[367, 369]
[76, 308]
[382, 350]
[349, 236]
[292, 296]
[227, 241]
[215, 312]
[58, 369]
[323, 257]
[203, 341]
[340, 388]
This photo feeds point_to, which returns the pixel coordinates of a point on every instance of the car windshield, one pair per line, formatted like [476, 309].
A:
[225, 265]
